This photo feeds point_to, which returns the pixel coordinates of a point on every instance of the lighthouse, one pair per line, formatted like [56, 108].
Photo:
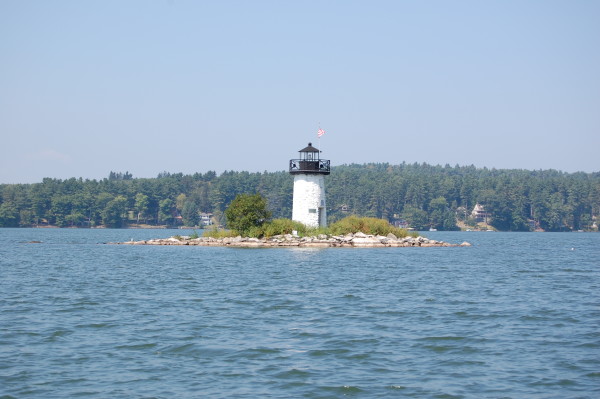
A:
[309, 187]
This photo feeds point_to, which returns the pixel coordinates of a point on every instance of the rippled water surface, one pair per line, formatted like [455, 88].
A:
[513, 316]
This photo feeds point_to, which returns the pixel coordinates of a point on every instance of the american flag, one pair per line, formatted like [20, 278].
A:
[320, 132]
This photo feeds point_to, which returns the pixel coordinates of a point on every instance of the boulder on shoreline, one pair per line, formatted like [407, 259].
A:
[358, 240]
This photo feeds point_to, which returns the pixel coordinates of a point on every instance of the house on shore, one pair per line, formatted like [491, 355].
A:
[479, 214]
[206, 219]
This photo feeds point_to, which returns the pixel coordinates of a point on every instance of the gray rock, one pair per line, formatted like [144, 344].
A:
[366, 242]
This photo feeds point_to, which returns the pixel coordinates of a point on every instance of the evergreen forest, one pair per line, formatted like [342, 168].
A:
[420, 196]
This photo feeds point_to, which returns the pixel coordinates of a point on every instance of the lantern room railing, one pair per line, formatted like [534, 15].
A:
[320, 166]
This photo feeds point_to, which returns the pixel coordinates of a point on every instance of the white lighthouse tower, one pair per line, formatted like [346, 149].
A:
[309, 187]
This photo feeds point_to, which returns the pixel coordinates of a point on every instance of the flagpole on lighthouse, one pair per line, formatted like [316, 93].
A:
[319, 138]
[320, 132]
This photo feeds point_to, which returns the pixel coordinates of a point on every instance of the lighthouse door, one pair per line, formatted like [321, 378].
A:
[321, 217]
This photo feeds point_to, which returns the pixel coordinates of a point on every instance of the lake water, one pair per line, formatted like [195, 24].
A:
[517, 315]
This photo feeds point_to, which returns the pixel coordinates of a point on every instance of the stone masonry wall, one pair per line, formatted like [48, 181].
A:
[309, 193]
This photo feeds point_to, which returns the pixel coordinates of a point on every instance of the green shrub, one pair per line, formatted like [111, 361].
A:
[247, 212]
[220, 233]
[194, 235]
[282, 226]
[276, 227]
[367, 225]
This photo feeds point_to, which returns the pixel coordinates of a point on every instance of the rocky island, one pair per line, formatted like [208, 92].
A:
[356, 240]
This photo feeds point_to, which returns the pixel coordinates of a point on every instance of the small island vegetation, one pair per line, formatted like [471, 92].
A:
[248, 216]
[247, 213]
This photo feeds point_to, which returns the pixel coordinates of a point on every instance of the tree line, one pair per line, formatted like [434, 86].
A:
[420, 195]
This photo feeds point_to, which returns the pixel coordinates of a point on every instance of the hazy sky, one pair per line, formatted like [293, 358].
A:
[89, 87]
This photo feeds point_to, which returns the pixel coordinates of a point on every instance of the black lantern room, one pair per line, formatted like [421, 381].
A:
[310, 162]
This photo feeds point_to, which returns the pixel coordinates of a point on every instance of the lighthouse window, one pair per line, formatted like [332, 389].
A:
[312, 211]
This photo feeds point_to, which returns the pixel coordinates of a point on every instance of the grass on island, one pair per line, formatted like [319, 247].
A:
[350, 224]
[192, 236]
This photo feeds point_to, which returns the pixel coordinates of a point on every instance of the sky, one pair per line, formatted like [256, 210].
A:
[90, 87]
